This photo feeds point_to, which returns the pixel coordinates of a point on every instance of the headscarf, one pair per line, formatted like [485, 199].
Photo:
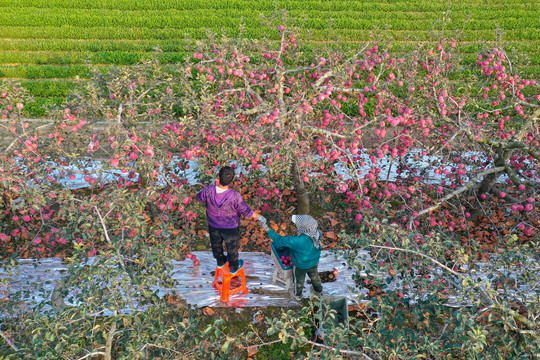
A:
[305, 224]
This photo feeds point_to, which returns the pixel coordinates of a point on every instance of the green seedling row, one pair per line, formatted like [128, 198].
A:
[131, 58]
[119, 33]
[149, 46]
[75, 45]
[47, 88]
[323, 5]
[41, 104]
[511, 19]
[100, 58]
[44, 72]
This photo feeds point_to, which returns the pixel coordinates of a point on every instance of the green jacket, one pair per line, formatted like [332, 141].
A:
[304, 255]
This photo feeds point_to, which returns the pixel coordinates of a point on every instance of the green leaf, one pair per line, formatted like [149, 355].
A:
[226, 347]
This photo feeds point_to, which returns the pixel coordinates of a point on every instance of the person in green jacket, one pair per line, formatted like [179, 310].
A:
[305, 251]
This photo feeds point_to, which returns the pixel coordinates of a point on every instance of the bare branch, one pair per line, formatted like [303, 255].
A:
[422, 255]
[301, 69]
[345, 352]
[119, 117]
[525, 103]
[349, 90]
[10, 145]
[8, 340]
[321, 131]
[92, 354]
[110, 338]
[455, 193]
[150, 88]
[147, 345]
[118, 254]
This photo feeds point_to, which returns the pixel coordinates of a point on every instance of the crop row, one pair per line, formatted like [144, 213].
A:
[121, 33]
[257, 5]
[102, 57]
[91, 45]
[44, 72]
[49, 88]
[38, 108]
[87, 47]
[130, 58]
[84, 71]
[508, 20]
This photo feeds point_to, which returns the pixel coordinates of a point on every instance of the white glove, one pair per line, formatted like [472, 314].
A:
[262, 219]
[264, 226]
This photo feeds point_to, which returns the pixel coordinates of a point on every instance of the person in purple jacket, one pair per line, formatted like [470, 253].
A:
[223, 209]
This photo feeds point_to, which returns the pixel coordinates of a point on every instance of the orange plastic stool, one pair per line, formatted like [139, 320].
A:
[226, 277]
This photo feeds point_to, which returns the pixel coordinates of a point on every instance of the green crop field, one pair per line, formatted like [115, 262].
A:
[48, 44]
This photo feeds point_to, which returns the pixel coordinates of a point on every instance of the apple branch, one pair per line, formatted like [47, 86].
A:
[8, 340]
[92, 354]
[455, 193]
[300, 69]
[183, 353]
[422, 255]
[118, 254]
[321, 131]
[119, 117]
[323, 346]
[534, 155]
[281, 101]
[494, 303]
[110, 338]
[150, 88]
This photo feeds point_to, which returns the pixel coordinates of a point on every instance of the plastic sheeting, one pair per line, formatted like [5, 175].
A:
[196, 281]
[72, 176]
[36, 281]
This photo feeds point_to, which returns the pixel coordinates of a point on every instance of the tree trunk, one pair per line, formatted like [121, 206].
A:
[302, 202]
[486, 184]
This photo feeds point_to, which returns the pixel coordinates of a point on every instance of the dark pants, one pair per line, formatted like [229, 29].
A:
[300, 276]
[232, 240]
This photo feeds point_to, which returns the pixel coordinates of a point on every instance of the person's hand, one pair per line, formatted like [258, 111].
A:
[261, 219]
[264, 225]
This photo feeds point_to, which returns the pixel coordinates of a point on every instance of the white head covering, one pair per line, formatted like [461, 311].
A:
[305, 224]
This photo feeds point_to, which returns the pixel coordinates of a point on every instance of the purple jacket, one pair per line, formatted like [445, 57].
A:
[223, 210]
